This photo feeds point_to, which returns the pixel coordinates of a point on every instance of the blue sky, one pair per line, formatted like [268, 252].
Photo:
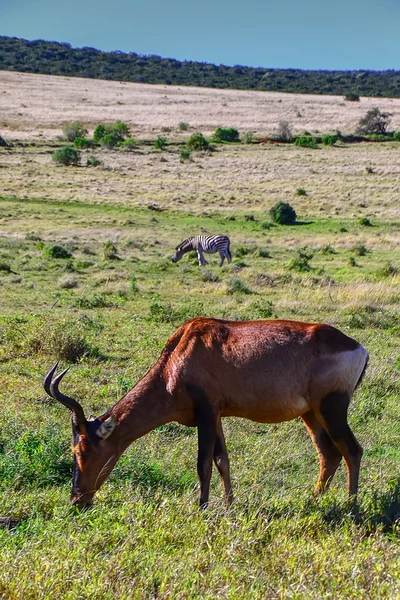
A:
[305, 34]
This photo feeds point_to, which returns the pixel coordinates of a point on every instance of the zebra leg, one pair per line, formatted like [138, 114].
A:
[200, 255]
[222, 255]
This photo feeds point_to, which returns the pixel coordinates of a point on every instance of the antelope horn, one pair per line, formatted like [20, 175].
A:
[51, 387]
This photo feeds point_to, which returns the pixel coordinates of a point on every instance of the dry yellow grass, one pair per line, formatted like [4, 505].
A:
[39, 104]
[236, 178]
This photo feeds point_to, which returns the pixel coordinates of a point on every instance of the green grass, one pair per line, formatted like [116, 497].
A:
[145, 537]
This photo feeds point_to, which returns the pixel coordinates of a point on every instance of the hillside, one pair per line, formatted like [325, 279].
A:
[54, 58]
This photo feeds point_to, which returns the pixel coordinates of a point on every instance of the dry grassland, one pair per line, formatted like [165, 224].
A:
[235, 178]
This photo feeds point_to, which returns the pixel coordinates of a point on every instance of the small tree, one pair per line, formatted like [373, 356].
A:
[285, 131]
[197, 141]
[66, 156]
[226, 134]
[283, 213]
[374, 121]
[73, 130]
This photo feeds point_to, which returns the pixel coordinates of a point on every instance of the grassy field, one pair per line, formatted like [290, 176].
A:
[108, 308]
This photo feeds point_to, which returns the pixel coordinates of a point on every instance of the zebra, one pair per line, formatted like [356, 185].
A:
[205, 243]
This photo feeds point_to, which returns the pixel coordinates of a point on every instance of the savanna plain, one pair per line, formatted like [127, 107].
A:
[86, 278]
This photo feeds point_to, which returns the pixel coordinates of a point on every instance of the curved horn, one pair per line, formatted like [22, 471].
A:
[51, 387]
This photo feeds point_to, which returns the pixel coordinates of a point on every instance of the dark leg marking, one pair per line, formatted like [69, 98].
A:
[328, 454]
[333, 417]
[221, 461]
[206, 422]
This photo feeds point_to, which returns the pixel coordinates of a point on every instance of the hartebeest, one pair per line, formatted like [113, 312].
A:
[266, 371]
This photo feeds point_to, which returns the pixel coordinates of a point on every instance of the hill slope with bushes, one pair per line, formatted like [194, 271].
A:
[54, 58]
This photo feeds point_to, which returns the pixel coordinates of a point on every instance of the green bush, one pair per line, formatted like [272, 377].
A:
[129, 143]
[301, 192]
[110, 250]
[237, 286]
[93, 161]
[184, 154]
[160, 143]
[365, 222]
[66, 156]
[283, 214]
[57, 251]
[74, 130]
[183, 126]
[197, 141]
[110, 140]
[226, 135]
[360, 250]
[99, 133]
[84, 143]
[121, 128]
[329, 139]
[352, 97]
[396, 136]
[301, 261]
[306, 141]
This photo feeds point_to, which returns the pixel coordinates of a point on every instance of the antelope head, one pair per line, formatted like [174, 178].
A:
[94, 455]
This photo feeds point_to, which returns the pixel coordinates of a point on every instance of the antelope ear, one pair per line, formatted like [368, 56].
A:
[106, 428]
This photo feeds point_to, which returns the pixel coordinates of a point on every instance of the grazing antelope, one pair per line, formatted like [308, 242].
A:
[205, 243]
[266, 371]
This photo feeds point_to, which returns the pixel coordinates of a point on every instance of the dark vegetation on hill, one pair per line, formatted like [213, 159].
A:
[56, 58]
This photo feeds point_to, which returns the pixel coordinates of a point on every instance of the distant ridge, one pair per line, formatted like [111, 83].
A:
[54, 58]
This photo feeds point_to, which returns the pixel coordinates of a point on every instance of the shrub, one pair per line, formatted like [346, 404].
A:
[110, 250]
[301, 261]
[352, 262]
[248, 137]
[360, 250]
[197, 141]
[84, 143]
[99, 132]
[396, 136]
[329, 139]
[306, 141]
[66, 156]
[226, 134]
[5, 267]
[301, 192]
[183, 126]
[129, 143]
[184, 154]
[327, 250]
[160, 143]
[74, 130]
[369, 170]
[57, 251]
[209, 276]
[365, 222]
[93, 161]
[387, 270]
[352, 97]
[237, 285]
[60, 338]
[110, 140]
[133, 285]
[121, 128]
[3, 143]
[283, 214]
[374, 121]
[285, 131]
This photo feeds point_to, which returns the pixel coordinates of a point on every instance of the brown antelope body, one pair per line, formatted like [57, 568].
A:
[266, 371]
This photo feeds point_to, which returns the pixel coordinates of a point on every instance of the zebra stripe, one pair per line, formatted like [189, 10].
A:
[205, 243]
